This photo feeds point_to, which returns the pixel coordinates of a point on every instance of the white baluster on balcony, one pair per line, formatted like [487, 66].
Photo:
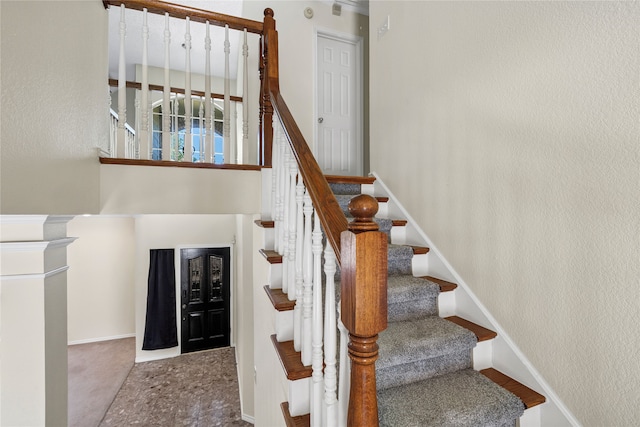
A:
[143, 131]
[166, 94]
[122, 89]
[132, 148]
[295, 240]
[175, 137]
[287, 287]
[245, 98]
[344, 376]
[307, 282]
[317, 379]
[202, 128]
[188, 140]
[229, 151]
[330, 327]
[208, 151]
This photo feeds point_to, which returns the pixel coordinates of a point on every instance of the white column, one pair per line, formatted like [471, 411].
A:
[307, 282]
[33, 372]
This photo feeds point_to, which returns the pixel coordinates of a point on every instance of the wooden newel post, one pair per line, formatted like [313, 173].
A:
[269, 83]
[363, 305]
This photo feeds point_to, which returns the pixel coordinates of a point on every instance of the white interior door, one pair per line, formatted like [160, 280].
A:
[339, 109]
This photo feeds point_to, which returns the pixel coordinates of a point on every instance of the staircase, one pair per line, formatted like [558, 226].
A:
[425, 371]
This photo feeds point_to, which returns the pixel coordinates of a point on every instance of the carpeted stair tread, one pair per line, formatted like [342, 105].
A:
[399, 259]
[404, 287]
[349, 179]
[410, 297]
[464, 398]
[416, 339]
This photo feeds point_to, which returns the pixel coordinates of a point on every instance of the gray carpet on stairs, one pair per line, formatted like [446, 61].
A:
[424, 371]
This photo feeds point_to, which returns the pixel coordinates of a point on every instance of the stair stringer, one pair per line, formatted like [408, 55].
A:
[503, 354]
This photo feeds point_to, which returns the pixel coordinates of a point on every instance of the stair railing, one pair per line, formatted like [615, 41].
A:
[169, 143]
[306, 214]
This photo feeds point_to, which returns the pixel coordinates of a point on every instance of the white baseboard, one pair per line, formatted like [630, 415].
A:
[91, 340]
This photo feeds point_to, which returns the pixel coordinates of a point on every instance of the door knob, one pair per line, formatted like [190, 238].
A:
[320, 120]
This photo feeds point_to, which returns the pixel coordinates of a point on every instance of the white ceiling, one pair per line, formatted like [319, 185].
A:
[177, 55]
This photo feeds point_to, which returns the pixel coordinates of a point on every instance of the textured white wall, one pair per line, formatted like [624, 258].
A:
[296, 41]
[54, 105]
[510, 131]
[100, 291]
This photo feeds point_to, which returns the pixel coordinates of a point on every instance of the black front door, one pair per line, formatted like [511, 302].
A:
[205, 298]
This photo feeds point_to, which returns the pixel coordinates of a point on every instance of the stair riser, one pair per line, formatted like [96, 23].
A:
[299, 399]
[421, 370]
[284, 325]
[275, 276]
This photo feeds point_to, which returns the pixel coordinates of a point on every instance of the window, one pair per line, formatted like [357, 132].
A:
[178, 129]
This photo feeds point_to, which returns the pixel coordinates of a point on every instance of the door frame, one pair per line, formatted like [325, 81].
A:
[177, 261]
[358, 42]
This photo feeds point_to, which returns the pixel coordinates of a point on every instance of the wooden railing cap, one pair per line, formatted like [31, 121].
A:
[363, 208]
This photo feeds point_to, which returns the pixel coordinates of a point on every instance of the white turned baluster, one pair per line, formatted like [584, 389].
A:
[132, 148]
[296, 241]
[345, 373]
[208, 151]
[175, 137]
[245, 99]
[275, 185]
[228, 155]
[307, 279]
[317, 384]
[282, 146]
[122, 90]
[188, 142]
[201, 126]
[286, 223]
[166, 95]
[330, 327]
[143, 131]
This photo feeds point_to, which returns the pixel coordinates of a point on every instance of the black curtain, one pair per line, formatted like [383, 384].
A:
[160, 329]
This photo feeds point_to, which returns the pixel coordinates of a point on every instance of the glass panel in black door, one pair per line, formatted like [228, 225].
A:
[205, 285]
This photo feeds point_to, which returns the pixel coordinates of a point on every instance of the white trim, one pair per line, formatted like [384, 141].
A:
[23, 219]
[41, 245]
[357, 41]
[547, 391]
[101, 339]
[247, 418]
[38, 276]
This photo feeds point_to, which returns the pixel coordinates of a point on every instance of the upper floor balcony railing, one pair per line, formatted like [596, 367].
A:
[179, 76]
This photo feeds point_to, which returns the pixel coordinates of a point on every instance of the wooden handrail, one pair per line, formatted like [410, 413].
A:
[195, 14]
[136, 85]
[333, 220]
